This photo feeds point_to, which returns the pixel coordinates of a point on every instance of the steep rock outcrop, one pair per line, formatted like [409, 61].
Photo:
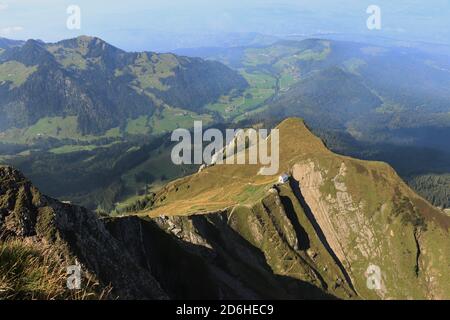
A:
[28, 215]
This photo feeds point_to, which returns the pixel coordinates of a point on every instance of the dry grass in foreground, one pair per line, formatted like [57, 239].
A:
[33, 271]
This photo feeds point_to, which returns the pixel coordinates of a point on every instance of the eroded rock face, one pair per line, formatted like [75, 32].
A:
[207, 257]
[372, 221]
[19, 201]
[26, 214]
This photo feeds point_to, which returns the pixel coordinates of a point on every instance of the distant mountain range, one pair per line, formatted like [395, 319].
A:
[376, 89]
[100, 85]
[360, 88]
[7, 43]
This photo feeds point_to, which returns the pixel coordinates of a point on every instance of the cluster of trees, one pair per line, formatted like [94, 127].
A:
[141, 204]
[436, 188]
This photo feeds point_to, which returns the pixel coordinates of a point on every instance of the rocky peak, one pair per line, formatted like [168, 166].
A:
[19, 201]
[91, 47]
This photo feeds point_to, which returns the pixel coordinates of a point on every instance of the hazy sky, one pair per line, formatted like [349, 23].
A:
[153, 24]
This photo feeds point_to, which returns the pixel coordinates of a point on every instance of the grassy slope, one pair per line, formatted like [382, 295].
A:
[228, 185]
[61, 128]
[263, 68]
[15, 73]
[262, 87]
[374, 219]
[172, 118]
[34, 271]
[53, 127]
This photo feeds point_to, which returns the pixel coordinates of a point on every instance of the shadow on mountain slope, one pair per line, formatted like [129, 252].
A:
[228, 268]
[295, 185]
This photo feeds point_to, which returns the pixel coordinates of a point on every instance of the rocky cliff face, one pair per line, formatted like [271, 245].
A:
[27, 215]
[370, 218]
[202, 257]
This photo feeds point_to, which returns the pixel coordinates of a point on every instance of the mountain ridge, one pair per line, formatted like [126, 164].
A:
[337, 196]
[319, 236]
[8, 43]
[102, 85]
